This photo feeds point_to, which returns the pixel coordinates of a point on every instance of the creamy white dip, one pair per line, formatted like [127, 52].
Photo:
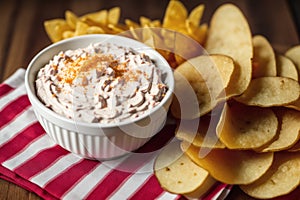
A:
[102, 83]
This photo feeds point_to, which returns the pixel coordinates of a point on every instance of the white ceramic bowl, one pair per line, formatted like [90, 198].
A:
[95, 140]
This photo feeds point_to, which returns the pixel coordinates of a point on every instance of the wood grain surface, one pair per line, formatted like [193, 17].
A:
[22, 35]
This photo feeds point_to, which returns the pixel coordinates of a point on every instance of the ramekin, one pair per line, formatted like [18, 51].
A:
[95, 140]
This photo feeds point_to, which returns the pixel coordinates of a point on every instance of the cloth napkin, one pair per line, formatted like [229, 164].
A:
[32, 160]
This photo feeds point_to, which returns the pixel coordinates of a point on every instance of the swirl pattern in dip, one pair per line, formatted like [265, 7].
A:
[102, 83]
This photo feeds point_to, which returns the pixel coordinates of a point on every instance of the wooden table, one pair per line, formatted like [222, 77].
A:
[22, 35]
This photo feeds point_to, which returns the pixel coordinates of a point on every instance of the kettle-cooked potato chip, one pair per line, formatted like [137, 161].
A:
[246, 127]
[263, 57]
[230, 166]
[280, 179]
[270, 91]
[229, 34]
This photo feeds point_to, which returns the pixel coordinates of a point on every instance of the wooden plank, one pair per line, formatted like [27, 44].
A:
[16, 192]
[4, 185]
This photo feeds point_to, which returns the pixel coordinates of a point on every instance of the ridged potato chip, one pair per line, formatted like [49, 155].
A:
[289, 132]
[230, 166]
[229, 34]
[280, 179]
[246, 127]
[263, 57]
[286, 68]
[270, 91]
[177, 174]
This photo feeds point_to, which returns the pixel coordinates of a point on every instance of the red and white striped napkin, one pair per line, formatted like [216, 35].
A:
[30, 159]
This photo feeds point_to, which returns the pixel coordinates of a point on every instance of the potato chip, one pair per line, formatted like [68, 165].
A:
[186, 48]
[294, 105]
[144, 21]
[196, 15]
[197, 33]
[264, 57]
[136, 33]
[280, 179]
[71, 19]
[55, 29]
[81, 28]
[216, 71]
[294, 54]
[289, 132]
[179, 59]
[113, 15]
[131, 24]
[148, 36]
[206, 76]
[201, 135]
[68, 34]
[270, 91]
[191, 95]
[229, 34]
[155, 23]
[116, 28]
[286, 68]
[95, 30]
[175, 15]
[169, 56]
[176, 173]
[169, 37]
[223, 70]
[246, 127]
[295, 147]
[230, 166]
[99, 17]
